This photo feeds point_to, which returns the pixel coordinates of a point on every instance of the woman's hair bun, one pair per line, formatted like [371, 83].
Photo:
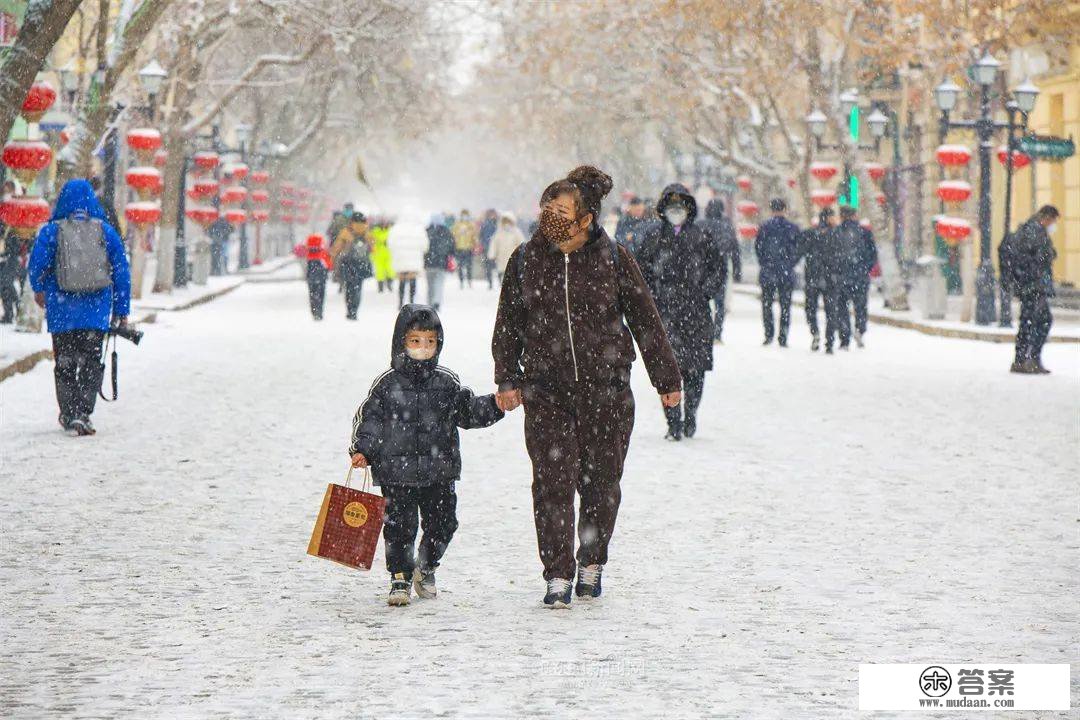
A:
[595, 180]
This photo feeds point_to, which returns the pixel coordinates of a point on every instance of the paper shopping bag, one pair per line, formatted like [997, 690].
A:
[348, 527]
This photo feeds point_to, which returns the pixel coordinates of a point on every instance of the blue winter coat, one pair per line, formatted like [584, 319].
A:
[79, 311]
[777, 249]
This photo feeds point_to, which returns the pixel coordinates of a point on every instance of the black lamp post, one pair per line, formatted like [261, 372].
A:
[180, 276]
[985, 72]
[243, 133]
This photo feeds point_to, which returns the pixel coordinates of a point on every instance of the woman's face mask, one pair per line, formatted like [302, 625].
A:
[1051, 228]
[555, 227]
[676, 214]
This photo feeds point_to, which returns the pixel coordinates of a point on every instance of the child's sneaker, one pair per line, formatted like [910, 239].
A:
[399, 589]
[424, 583]
[558, 593]
[588, 581]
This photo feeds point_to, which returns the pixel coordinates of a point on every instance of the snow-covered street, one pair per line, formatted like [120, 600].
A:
[909, 502]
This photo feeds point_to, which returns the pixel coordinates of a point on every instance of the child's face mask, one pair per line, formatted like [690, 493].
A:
[417, 353]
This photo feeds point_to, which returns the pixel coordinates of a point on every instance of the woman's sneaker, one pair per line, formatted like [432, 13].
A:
[399, 589]
[558, 593]
[588, 581]
[424, 583]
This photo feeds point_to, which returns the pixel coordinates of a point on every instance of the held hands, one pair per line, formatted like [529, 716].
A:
[671, 399]
[508, 400]
[359, 461]
[39, 298]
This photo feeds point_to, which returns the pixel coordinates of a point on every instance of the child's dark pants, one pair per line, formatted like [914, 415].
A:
[437, 506]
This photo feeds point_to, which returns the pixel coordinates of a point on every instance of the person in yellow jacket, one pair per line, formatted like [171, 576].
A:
[350, 252]
[465, 239]
[380, 255]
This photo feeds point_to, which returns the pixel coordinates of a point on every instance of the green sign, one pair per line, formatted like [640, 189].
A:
[1048, 147]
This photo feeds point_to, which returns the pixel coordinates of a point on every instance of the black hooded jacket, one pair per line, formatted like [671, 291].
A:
[407, 427]
[683, 273]
[719, 228]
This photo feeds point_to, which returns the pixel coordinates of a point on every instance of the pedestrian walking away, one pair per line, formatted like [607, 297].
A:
[1033, 281]
[776, 248]
[318, 269]
[407, 432]
[560, 345]
[681, 265]
[408, 241]
[79, 273]
[813, 244]
[721, 232]
[350, 254]
[437, 259]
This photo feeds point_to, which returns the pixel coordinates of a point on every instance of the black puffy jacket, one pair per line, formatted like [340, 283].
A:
[407, 427]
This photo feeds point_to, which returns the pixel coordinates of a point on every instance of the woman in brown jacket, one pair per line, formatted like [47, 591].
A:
[562, 349]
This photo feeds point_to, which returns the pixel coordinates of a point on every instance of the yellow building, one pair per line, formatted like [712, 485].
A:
[1057, 112]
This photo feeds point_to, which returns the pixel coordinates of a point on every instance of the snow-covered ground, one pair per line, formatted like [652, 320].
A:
[910, 502]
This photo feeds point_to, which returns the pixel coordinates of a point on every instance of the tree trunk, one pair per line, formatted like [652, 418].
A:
[43, 24]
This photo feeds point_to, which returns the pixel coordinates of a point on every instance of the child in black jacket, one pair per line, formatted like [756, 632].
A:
[407, 431]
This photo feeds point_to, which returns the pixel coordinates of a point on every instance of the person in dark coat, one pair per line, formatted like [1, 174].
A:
[487, 228]
[812, 251]
[573, 302]
[777, 247]
[219, 232]
[721, 231]
[1033, 281]
[861, 262]
[78, 321]
[630, 229]
[407, 432]
[318, 267]
[437, 259]
[10, 267]
[681, 264]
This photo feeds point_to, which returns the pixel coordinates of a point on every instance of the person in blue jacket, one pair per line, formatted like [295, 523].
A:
[777, 252]
[78, 322]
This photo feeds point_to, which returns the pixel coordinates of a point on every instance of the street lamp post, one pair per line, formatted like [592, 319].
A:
[243, 134]
[180, 273]
[985, 72]
[818, 122]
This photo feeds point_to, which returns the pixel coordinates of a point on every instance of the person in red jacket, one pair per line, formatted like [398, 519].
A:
[319, 265]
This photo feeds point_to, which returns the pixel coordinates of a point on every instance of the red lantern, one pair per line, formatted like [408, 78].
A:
[880, 197]
[287, 189]
[303, 206]
[260, 197]
[204, 188]
[260, 216]
[144, 142]
[237, 171]
[205, 160]
[142, 214]
[27, 158]
[160, 158]
[747, 208]
[823, 198]
[791, 182]
[260, 177]
[952, 229]
[824, 171]
[65, 136]
[875, 170]
[39, 98]
[235, 216]
[747, 230]
[202, 214]
[146, 181]
[1020, 159]
[24, 214]
[234, 194]
[303, 193]
[953, 155]
[287, 217]
[288, 202]
[953, 191]
[743, 182]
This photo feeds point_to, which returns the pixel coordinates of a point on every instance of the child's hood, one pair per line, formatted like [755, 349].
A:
[408, 314]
